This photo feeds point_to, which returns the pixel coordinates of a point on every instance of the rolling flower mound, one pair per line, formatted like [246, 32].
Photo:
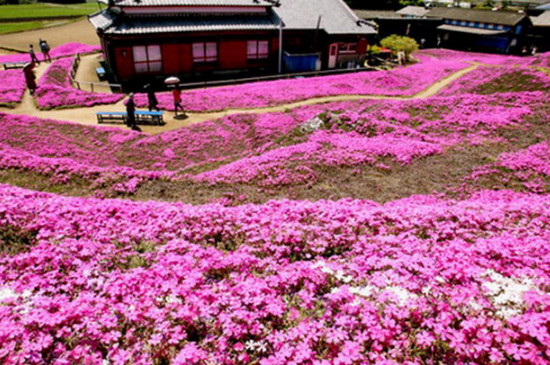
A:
[12, 86]
[536, 158]
[55, 89]
[64, 50]
[402, 81]
[418, 280]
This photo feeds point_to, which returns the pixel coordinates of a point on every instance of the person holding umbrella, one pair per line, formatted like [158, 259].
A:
[176, 94]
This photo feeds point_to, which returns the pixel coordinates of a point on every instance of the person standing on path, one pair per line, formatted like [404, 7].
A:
[176, 93]
[131, 113]
[30, 77]
[33, 55]
[45, 49]
[151, 98]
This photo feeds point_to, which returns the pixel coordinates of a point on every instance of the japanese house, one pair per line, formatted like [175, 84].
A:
[147, 40]
[481, 30]
[410, 21]
[539, 33]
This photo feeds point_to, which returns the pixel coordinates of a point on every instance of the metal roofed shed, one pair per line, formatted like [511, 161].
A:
[474, 15]
[377, 14]
[543, 20]
[470, 30]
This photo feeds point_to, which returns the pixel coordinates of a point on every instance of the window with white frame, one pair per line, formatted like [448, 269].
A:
[257, 50]
[347, 48]
[147, 58]
[205, 52]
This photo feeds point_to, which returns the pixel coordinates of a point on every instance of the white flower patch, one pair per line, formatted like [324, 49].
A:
[312, 124]
[507, 293]
[402, 294]
[365, 291]
[256, 346]
[7, 293]
[338, 274]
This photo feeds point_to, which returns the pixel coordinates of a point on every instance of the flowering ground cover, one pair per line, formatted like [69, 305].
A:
[402, 81]
[12, 87]
[529, 167]
[55, 89]
[486, 80]
[541, 59]
[272, 149]
[65, 152]
[64, 50]
[420, 280]
[429, 279]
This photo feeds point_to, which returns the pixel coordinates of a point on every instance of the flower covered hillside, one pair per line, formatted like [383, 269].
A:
[417, 280]
[402, 81]
[12, 87]
[296, 150]
[55, 89]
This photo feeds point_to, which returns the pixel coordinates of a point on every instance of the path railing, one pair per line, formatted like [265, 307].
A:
[92, 85]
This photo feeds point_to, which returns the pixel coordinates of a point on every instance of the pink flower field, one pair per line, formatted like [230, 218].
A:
[375, 231]
[64, 50]
[12, 87]
[404, 81]
[55, 89]
[416, 280]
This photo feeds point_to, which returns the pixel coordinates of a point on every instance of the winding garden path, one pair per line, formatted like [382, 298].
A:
[87, 115]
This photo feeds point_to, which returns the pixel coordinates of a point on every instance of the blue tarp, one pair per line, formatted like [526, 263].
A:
[300, 62]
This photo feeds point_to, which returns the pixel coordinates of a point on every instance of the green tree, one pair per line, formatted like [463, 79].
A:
[371, 4]
[411, 2]
[399, 43]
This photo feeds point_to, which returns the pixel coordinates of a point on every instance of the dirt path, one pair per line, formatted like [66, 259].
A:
[80, 31]
[88, 115]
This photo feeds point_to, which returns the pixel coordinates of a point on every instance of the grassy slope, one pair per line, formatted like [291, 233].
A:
[39, 10]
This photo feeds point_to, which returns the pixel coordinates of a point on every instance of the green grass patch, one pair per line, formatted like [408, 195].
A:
[21, 26]
[41, 10]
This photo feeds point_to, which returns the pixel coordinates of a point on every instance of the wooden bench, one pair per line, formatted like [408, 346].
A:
[143, 117]
[11, 65]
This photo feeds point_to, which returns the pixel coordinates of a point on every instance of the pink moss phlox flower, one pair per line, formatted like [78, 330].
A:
[64, 50]
[12, 86]
[55, 89]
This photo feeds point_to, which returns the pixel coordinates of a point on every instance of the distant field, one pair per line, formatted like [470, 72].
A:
[45, 10]
[21, 26]
[56, 12]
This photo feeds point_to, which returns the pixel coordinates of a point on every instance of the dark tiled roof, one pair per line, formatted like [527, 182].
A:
[542, 20]
[377, 14]
[173, 24]
[482, 16]
[133, 3]
[336, 16]
[102, 20]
